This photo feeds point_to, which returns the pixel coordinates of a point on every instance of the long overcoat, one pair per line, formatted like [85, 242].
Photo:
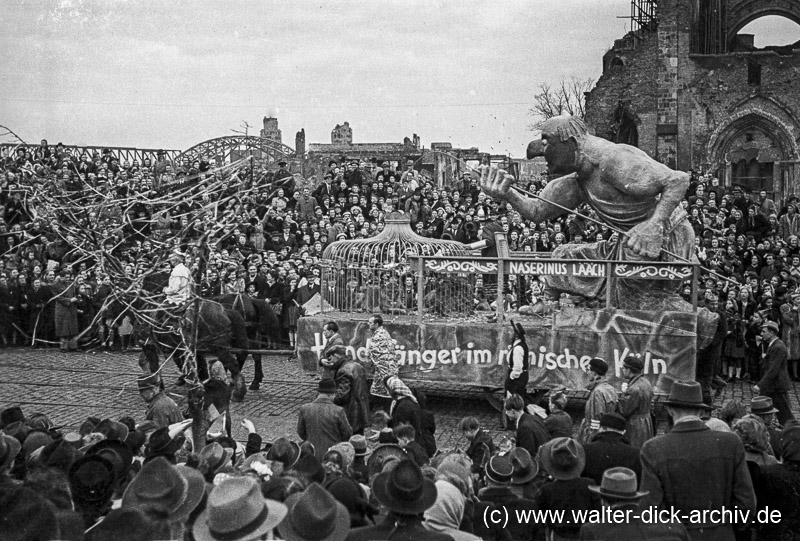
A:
[694, 468]
[634, 404]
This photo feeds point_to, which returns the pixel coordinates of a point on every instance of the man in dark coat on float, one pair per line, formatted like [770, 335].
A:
[695, 469]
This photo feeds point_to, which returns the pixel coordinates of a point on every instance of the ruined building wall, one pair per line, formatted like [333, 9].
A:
[704, 111]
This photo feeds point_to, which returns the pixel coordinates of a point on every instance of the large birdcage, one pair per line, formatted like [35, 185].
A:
[392, 246]
[377, 274]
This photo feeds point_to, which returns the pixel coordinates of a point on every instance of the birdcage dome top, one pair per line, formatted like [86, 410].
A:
[397, 242]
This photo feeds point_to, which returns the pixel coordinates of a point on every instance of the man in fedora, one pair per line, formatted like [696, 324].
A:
[161, 409]
[602, 399]
[323, 423]
[165, 492]
[609, 448]
[694, 468]
[314, 515]
[564, 459]
[635, 402]
[236, 511]
[618, 492]
[406, 493]
[498, 496]
[774, 381]
[762, 407]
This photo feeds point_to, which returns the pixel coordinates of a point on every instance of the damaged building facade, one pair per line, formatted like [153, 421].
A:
[689, 89]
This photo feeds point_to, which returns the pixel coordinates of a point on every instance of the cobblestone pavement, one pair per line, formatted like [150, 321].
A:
[71, 386]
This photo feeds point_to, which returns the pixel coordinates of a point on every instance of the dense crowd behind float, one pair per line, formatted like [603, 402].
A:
[74, 225]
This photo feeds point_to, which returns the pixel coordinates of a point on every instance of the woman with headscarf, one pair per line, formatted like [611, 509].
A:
[404, 409]
[753, 433]
[445, 514]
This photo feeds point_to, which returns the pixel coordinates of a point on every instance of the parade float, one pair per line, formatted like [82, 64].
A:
[449, 308]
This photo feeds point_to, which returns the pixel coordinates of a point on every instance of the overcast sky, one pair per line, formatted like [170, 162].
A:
[172, 74]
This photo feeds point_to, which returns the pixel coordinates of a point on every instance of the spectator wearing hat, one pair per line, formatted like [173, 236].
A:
[498, 496]
[609, 448]
[635, 402]
[322, 422]
[314, 515]
[351, 494]
[92, 482]
[563, 459]
[360, 472]
[236, 511]
[762, 407]
[694, 468]
[161, 409]
[284, 179]
[284, 451]
[161, 443]
[163, 491]
[774, 381]
[481, 446]
[524, 478]
[530, 430]
[214, 458]
[602, 399]
[406, 494]
[617, 491]
[778, 487]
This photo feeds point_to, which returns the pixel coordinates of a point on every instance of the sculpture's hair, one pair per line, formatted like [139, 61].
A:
[566, 127]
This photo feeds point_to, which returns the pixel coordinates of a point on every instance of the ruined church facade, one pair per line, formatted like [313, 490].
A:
[692, 92]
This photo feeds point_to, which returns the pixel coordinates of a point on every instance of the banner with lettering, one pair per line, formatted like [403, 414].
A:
[477, 354]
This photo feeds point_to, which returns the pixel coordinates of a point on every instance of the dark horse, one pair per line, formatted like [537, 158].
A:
[207, 327]
[261, 322]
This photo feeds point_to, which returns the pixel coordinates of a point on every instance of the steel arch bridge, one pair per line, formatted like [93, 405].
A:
[235, 147]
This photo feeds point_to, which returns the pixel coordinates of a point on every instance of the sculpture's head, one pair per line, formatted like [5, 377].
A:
[559, 143]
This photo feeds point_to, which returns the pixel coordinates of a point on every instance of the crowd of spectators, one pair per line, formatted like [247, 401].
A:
[76, 224]
[78, 228]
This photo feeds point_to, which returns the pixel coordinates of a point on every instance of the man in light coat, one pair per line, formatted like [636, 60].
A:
[602, 399]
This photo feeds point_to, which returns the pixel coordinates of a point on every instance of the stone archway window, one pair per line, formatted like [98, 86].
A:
[624, 125]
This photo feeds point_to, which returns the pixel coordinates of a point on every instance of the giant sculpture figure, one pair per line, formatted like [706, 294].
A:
[627, 190]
